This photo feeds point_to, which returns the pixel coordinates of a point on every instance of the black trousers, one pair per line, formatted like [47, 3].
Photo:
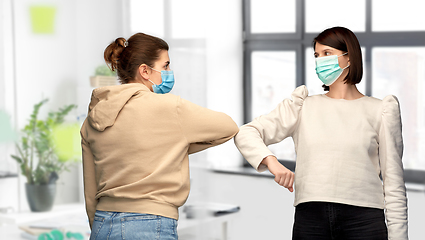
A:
[334, 221]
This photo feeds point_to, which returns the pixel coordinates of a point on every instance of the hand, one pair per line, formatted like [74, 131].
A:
[282, 175]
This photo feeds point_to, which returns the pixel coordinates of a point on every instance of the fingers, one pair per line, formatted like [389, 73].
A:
[286, 180]
[283, 176]
[291, 183]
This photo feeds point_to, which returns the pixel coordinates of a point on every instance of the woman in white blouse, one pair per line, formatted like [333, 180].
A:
[348, 179]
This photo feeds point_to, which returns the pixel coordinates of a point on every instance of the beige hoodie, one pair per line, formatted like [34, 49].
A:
[135, 149]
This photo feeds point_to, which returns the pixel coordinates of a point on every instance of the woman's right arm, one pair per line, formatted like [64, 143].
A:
[254, 137]
[283, 176]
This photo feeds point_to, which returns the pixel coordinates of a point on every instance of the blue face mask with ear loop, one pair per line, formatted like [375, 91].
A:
[166, 84]
[328, 70]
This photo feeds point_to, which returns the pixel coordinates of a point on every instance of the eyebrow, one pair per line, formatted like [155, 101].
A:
[326, 49]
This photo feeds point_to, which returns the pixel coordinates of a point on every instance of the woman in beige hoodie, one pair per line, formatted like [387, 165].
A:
[136, 141]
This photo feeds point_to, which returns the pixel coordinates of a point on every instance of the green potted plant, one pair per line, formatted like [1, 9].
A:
[103, 77]
[38, 158]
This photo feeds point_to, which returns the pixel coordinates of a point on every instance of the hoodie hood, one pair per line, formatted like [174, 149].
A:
[107, 102]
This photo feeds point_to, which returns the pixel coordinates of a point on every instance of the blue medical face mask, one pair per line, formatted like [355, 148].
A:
[167, 82]
[328, 70]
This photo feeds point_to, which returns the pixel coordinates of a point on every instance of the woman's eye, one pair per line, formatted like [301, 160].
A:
[327, 54]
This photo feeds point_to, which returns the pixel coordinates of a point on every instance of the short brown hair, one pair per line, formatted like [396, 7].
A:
[344, 39]
[126, 56]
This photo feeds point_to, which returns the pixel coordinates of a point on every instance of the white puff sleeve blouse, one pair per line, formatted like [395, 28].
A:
[254, 137]
[390, 157]
[342, 146]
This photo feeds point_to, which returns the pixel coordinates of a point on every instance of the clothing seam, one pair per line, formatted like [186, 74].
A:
[174, 226]
[187, 143]
[298, 119]
[158, 228]
[178, 119]
[111, 226]
[98, 229]
[122, 229]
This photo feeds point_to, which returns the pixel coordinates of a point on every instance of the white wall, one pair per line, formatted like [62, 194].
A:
[2, 58]
[99, 22]
[45, 68]
[7, 105]
[45, 63]
[58, 66]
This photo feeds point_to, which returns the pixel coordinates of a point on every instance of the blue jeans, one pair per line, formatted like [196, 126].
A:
[121, 225]
[335, 221]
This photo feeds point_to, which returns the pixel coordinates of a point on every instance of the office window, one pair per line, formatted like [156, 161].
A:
[170, 20]
[147, 16]
[391, 16]
[187, 24]
[273, 16]
[323, 14]
[406, 80]
[273, 76]
[392, 38]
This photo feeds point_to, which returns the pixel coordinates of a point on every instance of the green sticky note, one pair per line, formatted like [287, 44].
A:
[67, 141]
[43, 19]
[6, 132]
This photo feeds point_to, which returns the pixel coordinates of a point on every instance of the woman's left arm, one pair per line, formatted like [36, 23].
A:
[203, 127]
[390, 154]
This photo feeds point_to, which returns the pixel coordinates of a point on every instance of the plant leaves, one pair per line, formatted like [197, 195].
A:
[37, 139]
[18, 159]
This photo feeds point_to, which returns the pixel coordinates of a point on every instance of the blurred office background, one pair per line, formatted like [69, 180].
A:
[234, 56]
